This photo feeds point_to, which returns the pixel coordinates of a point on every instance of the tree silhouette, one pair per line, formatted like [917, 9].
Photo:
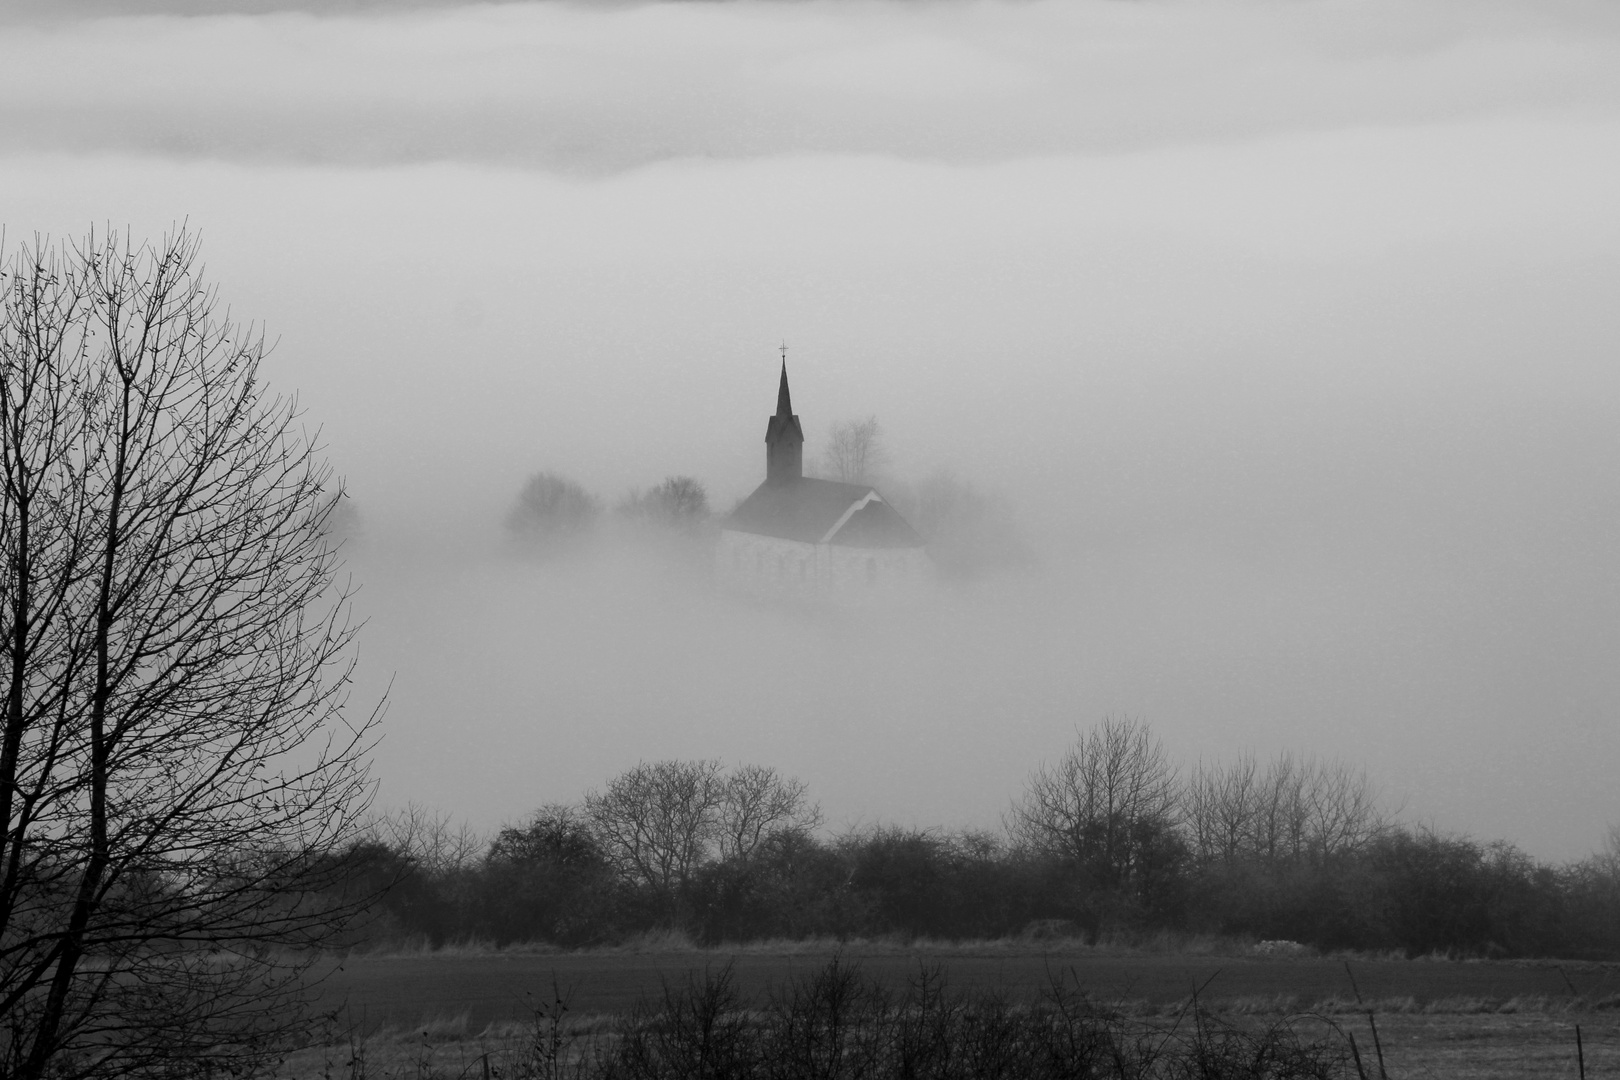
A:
[176, 768]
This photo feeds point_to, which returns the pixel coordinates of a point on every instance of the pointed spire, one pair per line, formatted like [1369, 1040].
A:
[784, 403]
[784, 438]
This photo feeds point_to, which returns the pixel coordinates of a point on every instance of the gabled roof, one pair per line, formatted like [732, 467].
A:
[823, 511]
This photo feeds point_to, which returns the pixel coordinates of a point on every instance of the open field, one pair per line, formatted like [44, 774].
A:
[503, 987]
[445, 1015]
[1455, 1046]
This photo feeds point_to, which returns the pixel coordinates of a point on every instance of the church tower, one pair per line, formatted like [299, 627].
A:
[784, 439]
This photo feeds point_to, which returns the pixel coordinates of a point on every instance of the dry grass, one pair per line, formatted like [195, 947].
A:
[397, 989]
[839, 1024]
[474, 1006]
[421, 946]
[1466, 1038]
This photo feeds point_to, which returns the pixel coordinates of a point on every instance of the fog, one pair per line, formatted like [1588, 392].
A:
[1287, 330]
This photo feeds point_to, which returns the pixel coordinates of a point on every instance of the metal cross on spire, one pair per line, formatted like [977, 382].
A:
[783, 350]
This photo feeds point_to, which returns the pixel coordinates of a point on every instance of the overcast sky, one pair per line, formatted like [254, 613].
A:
[1289, 330]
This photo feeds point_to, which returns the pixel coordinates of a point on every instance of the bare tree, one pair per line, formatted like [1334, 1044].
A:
[176, 767]
[657, 823]
[1342, 815]
[757, 804]
[1105, 806]
[1279, 829]
[1221, 808]
[341, 521]
[855, 451]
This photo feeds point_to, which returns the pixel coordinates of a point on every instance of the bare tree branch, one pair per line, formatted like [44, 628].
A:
[758, 803]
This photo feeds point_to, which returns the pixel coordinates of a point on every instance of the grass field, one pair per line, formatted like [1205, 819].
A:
[501, 987]
[440, 1014]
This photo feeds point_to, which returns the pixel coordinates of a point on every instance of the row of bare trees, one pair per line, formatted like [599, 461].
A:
[1114, 803]
[1111, 818]
[1287, 810]
[1108, 837]
[1103, 842]
[644, 851]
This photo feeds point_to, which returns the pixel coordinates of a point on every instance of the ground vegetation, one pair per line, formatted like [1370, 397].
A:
[836, 1021]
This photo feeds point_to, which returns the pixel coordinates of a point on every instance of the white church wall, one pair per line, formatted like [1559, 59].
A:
[766, 565]
[771, 567]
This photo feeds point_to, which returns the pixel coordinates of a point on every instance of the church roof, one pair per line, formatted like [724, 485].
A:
[821, 512]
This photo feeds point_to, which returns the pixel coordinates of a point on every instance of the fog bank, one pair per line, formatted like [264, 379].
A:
[1288, 330]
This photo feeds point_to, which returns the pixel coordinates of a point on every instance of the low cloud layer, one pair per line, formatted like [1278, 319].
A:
[1288, 329]
[596, 88]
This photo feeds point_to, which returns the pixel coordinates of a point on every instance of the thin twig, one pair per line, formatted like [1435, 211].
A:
[1355, 1052]
[1377, 1045]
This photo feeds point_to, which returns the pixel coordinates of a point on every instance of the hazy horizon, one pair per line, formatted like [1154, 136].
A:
[1287, 329]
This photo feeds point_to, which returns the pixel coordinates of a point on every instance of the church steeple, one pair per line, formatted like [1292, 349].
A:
[784, 438]
[784, 400]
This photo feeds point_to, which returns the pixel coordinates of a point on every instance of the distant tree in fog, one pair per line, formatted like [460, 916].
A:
[551, 508]
[679, 502]
[968, 532]
[1108, 806]
[855, 451]
[340, 520]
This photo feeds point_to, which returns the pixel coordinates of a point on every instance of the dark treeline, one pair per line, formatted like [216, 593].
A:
[1108, 844]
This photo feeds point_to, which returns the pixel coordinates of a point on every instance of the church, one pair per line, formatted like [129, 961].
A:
[798, 536]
